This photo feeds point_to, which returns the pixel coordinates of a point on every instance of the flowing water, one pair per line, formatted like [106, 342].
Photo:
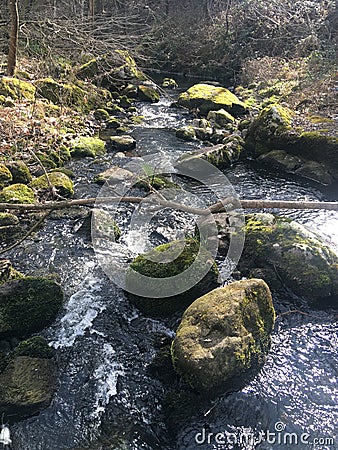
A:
[104, 345]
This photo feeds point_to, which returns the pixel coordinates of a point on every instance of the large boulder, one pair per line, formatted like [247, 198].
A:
[224, 336]
[148, 94]
[58, 180]
[27, 305]
[17, 193]
[206, 97]
[285, 251]
[16, 89]
[19, 172]
[276, 129]
[187, 251]
[26, 386]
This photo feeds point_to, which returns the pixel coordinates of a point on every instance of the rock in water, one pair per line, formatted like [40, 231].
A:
[224, 336]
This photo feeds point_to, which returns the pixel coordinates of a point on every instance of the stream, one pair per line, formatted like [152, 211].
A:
[104, 345]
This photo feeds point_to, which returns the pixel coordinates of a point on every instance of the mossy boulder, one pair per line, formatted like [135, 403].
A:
[155, 181]
[35, 347]
[220, 118]
[272, 126]
[88, 146]
[148, 94]
[147, 265]
[19, 171]
[121, 143]
[60, 93]
[61, 182]
[5, 176]
[7, 219]
[206, 97]
[169, 83]
[224, 337]
[27, 305]
[89, 70]
[297, 257]
[26, 386]
[186, 133]
[17, 89]
[17, 193]
[101, 114]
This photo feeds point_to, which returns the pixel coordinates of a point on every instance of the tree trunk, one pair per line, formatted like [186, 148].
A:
[14, 35]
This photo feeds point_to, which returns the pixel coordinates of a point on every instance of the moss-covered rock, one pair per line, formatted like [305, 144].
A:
[206, 97]
[101, 114]
[103, 226]
[17, 193]
[220, 155]
[26, 386]
[186, 133]
[148, 94]
[7, 219]
[220, 118]
[298, 257]
[28, 305]
[155, 181]
[169, 83]
[7, 272]
[266, 132]
[5, 176]
[19, 171]
[16, 89]
[224, 335]
[113, 123]
[121, 143]
[113, 175]
[89, 70]
[35, 347]
[60, 93]
[88, 146]
[187, 251]
[61, 182]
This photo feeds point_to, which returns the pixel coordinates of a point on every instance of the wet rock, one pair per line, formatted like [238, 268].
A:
[34, 347]
[17, 193]
[61, 182]
[224, 336]
[206, 97]
[316, 171]
[186, 133]
[88, 146]
[221, 118]
[101, 114]
[114, 175]
[5, 176]
[181, 254]
[148, 94]
[7, 271]
[169, 83]
[26, 386]
[122, 143]
[281, 160]
[298, 258]
[27, 305]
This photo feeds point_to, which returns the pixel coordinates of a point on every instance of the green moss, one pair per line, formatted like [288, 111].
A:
[35, 347]
[28, 305]
[17, 193]
[46, 160]
[113, 123]
[5, 176]
[292, 252]
[169, 83]
[156, 181]
[20, 172]
[8, 219]
[58, 180]
[101, 114]
[88, 146]
[16, 89]
[148, 94]
[206, 97]
[88, 70]
[146, 265]
[223, 335]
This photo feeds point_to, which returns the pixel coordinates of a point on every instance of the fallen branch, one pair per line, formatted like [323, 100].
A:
[224, 205]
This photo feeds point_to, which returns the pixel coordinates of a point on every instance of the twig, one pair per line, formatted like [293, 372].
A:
[29, 232]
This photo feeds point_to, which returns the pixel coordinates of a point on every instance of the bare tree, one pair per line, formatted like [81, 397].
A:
[14, 34]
